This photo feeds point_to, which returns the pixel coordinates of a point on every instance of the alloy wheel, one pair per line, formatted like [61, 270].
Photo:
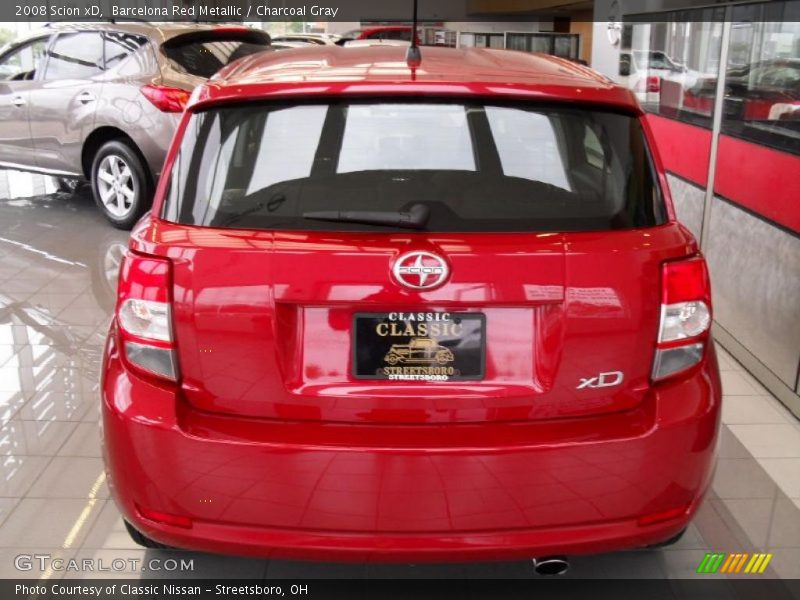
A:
[117, 185]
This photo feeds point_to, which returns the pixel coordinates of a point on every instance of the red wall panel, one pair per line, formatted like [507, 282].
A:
[684, 148]
[761, 179]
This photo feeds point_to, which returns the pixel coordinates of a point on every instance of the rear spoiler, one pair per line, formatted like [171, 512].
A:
[246, 35]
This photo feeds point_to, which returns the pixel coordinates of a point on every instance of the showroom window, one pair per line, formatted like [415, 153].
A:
[468, 39]
[75, 56]
[762, 84]
[565, 45]
[671, 64]
[21, 64]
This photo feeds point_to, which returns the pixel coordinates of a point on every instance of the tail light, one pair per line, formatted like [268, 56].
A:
[166, 99]
[653, 83]
[685, 317]
[144, 316]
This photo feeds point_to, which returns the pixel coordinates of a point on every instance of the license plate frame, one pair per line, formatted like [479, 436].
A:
[452, 346]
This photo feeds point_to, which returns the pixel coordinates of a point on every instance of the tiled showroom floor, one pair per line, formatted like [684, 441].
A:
[57, 256]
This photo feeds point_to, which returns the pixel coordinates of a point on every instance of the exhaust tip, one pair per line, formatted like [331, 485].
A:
[551, 565]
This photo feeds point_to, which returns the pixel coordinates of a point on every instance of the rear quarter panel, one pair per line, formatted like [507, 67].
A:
[123, 107]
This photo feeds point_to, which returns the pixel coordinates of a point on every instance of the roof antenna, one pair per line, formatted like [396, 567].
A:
[414, 56]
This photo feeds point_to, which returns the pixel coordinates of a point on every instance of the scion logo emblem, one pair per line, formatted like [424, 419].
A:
[607, 379]
[420, 270]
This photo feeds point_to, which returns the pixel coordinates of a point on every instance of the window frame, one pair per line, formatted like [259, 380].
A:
[54, 40]
[105, 32]
[23, 44]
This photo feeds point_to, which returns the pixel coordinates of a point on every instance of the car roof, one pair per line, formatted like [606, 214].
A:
[383, 68]
[379, 42]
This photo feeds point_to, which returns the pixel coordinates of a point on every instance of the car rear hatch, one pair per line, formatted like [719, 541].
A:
[199, 53]
[414, 262]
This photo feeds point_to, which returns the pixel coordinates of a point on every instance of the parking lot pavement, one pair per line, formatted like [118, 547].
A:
[58, 261]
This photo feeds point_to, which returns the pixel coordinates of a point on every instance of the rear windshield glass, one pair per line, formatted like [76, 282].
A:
[206, 58]
[473, 166]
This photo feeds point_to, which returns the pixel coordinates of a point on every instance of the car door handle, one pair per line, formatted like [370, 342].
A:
[86, 97]
[18, 101]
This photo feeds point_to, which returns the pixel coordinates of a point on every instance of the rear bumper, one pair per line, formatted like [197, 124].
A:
[356, 492]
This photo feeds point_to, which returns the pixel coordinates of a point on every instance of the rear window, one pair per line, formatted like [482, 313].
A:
[475, 166]
[119, 46]
[204, 58]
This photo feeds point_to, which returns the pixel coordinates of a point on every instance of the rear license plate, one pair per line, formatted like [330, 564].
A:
[419, 346]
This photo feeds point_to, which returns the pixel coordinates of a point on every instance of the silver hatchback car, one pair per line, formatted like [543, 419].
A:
[101, 101]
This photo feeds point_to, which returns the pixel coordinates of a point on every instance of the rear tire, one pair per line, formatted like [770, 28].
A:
[121, 183]
[141, 539]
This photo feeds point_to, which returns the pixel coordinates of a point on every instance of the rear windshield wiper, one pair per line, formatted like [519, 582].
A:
[416, 217]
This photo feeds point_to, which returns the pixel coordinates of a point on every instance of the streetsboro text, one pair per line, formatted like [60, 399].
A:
[229, 11]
